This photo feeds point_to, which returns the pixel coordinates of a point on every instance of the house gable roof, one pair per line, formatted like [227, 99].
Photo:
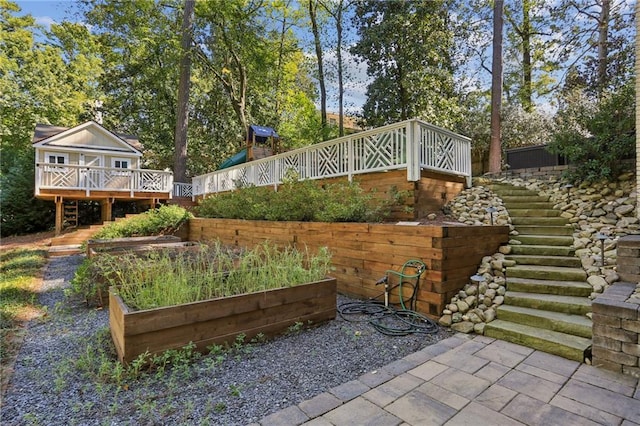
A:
[87, 135]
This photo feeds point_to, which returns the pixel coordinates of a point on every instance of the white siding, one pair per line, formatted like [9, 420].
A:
[90, 138]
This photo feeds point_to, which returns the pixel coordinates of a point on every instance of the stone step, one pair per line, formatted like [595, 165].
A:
[553, 342]
[549, 302]
[539, 221]
[511, 191]
[576, 325]
[553, 273]
[561, 288]
[526, 204]
[540, 250]
[544, 240]
[545, 230]
[65, 250]
[534, 212]
[523, 259]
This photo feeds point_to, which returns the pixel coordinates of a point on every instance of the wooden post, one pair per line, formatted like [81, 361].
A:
[107, 205]
[59, 214]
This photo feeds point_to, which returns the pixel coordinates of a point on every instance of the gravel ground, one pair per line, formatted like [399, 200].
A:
[57, 377]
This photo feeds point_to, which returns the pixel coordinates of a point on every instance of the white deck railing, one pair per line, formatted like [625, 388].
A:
[184, 190]
[412, 145]
[89, 178]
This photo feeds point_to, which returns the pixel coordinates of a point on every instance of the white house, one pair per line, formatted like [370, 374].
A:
[89, 162]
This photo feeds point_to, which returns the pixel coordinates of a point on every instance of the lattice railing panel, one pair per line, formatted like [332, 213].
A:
[412, 144]
[60, 177]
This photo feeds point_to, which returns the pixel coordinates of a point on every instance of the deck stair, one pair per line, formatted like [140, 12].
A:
[70, 212]
[70, 242]
[546, 302]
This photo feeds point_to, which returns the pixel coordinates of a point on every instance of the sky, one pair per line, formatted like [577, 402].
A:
[47, 12]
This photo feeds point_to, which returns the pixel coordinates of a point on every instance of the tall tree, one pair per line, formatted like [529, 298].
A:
[40, 82]
[140, 42]
[407, 46]
[336, 10]
[313, 16]
[182, 119]
[495, 147]
[598, 48]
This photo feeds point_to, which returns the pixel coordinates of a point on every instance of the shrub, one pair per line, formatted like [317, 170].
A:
[300, 201]
[596, 136]
[164, 220]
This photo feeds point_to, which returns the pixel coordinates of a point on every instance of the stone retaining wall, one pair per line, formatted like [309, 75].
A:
[616, 315]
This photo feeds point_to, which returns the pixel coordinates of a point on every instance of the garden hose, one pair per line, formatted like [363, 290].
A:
[387, 319]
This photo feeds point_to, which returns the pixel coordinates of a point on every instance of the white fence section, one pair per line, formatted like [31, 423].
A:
[181, 189]
[88, 178]
[412, 145]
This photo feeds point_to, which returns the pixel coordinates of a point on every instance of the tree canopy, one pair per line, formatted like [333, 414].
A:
[257, 62]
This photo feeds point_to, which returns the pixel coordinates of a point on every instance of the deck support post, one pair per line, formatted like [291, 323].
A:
[59, 214]
[107, 209]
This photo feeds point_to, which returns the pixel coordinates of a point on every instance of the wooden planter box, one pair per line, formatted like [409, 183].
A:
[96, 246]
[217, 321]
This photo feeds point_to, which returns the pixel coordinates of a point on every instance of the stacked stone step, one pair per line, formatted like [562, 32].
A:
[546, 303]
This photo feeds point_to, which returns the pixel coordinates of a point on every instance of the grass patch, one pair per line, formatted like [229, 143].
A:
[20, 275]
[20, 271]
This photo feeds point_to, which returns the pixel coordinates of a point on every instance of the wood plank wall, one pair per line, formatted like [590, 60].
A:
[362, 252]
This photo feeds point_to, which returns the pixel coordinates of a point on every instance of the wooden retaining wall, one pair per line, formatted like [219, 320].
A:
[362, 252]
[217, 321]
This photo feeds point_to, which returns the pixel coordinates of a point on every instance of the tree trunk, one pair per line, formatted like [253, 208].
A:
[313, 8]
[182, 116]
[527, 89]
[339, 58]
[603, 40]
[495, 147]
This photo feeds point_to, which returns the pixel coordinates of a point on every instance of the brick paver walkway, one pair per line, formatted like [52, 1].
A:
[474, 381]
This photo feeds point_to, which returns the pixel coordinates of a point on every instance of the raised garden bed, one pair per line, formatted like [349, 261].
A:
[217, 321]
[104, 245]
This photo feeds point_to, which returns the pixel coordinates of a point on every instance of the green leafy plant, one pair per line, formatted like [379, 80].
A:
[166, 279]
[163, 220]
[304, 200]
[596, 135]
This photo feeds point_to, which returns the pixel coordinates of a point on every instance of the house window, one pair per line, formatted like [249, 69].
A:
[56, 158]
[120, 163]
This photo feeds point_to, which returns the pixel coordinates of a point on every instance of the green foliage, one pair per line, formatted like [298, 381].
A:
[165, 279]
[87, 282]
[408, 48]
[41, 82]
[98, 362]
[22, 213]
[19, 270]
[164, 220]
[596, 135]
[300, 201]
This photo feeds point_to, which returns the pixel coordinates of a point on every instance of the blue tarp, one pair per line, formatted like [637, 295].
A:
[262, 133]
[239, 158]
